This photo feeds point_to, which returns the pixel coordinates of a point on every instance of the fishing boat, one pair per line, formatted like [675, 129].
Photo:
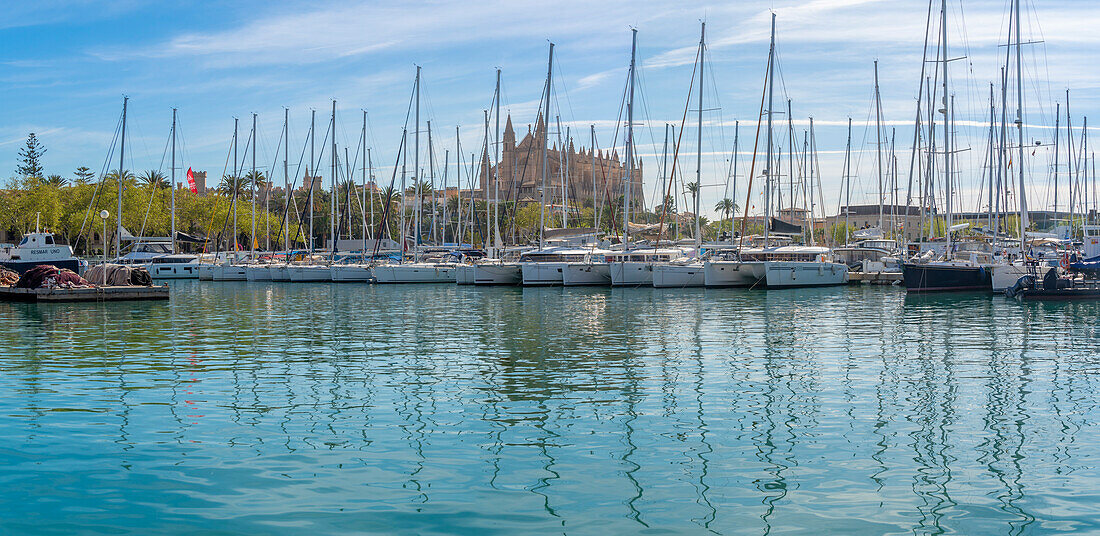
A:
[35, 249]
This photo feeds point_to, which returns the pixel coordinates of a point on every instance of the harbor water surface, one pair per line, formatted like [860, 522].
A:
[259, 408]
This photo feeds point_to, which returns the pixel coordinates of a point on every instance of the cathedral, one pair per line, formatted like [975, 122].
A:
[521, 172]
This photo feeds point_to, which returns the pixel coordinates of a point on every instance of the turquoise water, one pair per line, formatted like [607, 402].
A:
[251, 408]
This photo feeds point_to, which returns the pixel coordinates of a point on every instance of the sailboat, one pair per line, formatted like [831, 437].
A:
[950, 272]
[689, 271]
[313, 269]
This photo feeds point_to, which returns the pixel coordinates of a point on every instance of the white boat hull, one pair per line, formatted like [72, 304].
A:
[464, 274]
[259, 272]
[678, 275]
[206, 272]
[792, 274]
[351, 273]
[577, 274]
[185, 270]
[542, 274]
[732, 273]
[631, 274]
[414, 273]
[230, 272]
[1006, 275]
[307, 273]
[508, 273]
[279, 272]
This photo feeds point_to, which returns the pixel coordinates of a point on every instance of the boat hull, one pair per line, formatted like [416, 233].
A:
[1006, 275]
[631, 274]
[945, 278]
[542, 274]
[309, 273]
[465, 274]
[174, 271]
[260, 272]
[679, 275]
[733, 273]
[351, 273]
[279, 272]
[795, 274]
[206, 272]
[230, 272]
[577, 274]
[498, 274]
[414, 273]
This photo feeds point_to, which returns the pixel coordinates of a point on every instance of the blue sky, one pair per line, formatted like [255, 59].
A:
[65, 65]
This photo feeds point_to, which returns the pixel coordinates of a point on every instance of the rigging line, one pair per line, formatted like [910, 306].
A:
[94, 202]
[755, 148]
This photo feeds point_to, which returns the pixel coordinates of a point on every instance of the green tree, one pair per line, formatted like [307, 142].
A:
[30, 158]
[56, 181]
[153, 179]
[83, 175]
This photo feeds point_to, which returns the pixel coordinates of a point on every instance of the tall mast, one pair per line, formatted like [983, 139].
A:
[592, 159]
[363, 177]
[699, 140]
[1057, 118]
[496, 174]
[416, 161]
[286, 174]
[736, 149]
[236, 185]
[312, 170]
[1020, 129]
[431, 176]
[949, 221]
[878, 143]
[121, 176]
[848, 181]
[629, 140]
[252, 183]
[768, 169]
[485, 238]
[173, 173]
[545, 142]
[458, 179]
[333, 201]
[404, 171]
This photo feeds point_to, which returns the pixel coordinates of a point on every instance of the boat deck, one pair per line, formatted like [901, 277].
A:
[89, 294]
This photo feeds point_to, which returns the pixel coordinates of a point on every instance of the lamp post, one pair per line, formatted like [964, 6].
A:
[103, 214]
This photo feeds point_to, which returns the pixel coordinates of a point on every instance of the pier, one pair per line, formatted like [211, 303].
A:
[87, 294]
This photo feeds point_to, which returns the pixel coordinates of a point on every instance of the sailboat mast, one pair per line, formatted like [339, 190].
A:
[333, 202]
[592, 159]
[699, 141]
[121, 176]
[733, 194]
[431, 176]
[236, 186]
[768, 169]
[946, 129]
[312, 170]
[545, 142]
[416, 162]
[629, 139]
[878, 144]
[173, 173]
[1020, 129]
[848, 181]
[363, 177]
[286, 174]
[496, 171]
[252, 185]
[485, 238]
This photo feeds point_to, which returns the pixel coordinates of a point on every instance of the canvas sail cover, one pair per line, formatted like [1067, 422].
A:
[779, 226]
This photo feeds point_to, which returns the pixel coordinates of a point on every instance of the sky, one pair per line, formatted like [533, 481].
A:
[66, 65]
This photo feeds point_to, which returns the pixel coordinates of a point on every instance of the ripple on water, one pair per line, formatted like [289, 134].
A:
[281, 408]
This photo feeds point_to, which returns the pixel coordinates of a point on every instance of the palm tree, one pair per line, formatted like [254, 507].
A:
[153, 179]
[726, 206]
[127, 177]
[233, 186]
[55, 180]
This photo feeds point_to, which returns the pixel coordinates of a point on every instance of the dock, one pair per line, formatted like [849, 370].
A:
[875, 278]
[88, 294]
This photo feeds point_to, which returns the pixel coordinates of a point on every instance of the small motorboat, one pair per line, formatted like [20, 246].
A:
[1054, 287]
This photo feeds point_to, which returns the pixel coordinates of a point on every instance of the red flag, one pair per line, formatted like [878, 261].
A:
[191, 181]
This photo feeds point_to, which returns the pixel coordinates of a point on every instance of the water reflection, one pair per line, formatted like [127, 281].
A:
[276, 408]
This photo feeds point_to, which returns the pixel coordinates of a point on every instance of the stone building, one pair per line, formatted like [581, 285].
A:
[521, 172]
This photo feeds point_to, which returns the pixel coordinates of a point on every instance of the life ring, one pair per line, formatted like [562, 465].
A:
[1063, 263]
